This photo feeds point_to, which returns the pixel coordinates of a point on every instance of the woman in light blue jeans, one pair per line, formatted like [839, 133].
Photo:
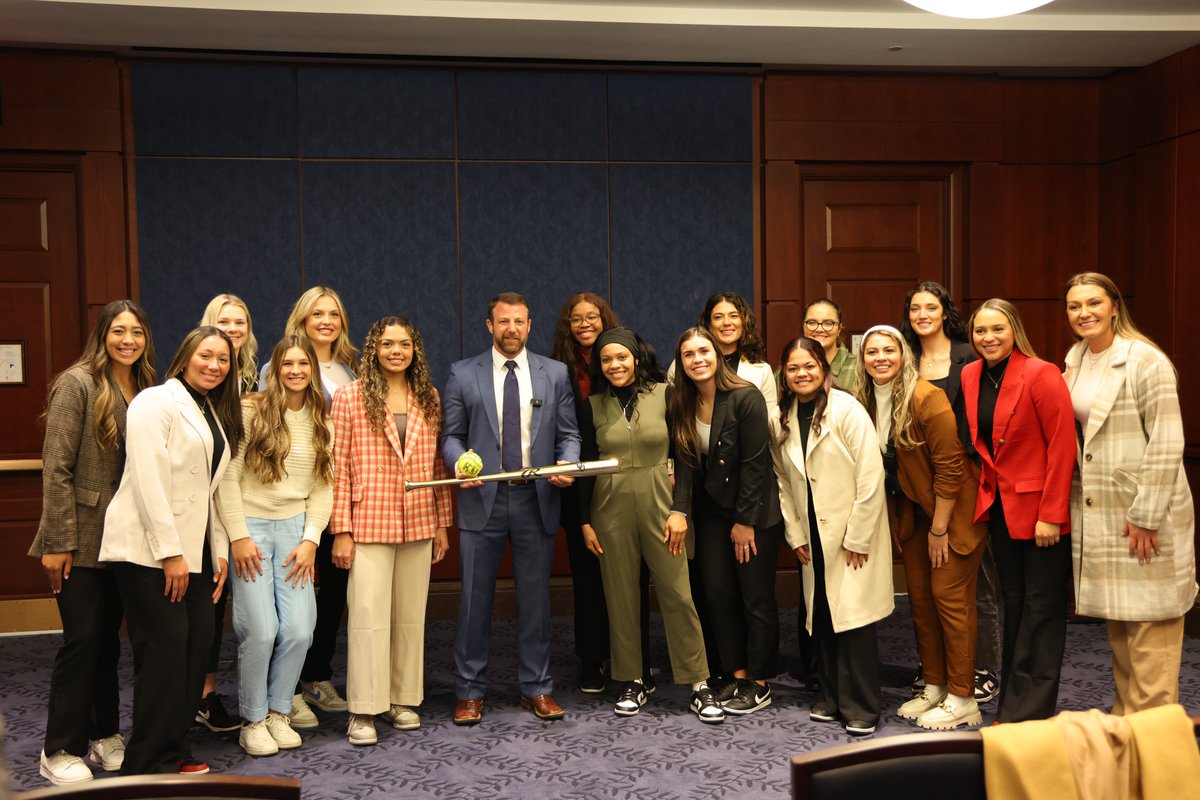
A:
[275, 500]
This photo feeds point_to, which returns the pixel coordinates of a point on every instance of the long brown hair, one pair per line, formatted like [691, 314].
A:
[268, 438]
[420, 383]
[684, 396]
[566, 349]
[94, 359]
[750, 347]
[225, 396]
[787, 397]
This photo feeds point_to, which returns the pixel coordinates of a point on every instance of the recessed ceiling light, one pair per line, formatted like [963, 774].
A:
[896, 48]
[977, 9]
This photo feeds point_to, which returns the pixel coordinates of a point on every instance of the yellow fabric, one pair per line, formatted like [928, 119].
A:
[1168, 760]
[1102, 754]
[1027, 761]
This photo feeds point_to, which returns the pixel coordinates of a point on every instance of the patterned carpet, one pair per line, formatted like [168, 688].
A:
[663, 752]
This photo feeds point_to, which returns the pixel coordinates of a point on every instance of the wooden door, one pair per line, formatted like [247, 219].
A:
[41, 329]
[867, 242]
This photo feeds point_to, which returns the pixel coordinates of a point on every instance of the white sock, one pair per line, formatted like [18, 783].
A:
[699, 685]
[957, 702]
[933, 690]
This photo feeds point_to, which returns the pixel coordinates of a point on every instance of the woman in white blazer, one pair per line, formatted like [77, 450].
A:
[167, 546]
[1131, 508]
[835, 516]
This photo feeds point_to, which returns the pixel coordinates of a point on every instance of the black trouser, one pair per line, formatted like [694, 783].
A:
[740, 598]
[170, 652]
[331, 607]
[84, 700]
[214, 652]
[808, 670]
[847, 662]
[1034, 580]
[591, 611]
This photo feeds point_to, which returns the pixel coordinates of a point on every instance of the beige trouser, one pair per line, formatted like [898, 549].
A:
[389, 586]
[1145, 663]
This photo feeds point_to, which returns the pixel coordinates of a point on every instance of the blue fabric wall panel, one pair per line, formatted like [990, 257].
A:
[212, 226]
[536, 116]
[537, 229]
[214, 110]
[383, 236]
[679, 118]
[679, 234]
[376, 113]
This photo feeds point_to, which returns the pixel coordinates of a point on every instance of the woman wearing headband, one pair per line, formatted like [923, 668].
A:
[931, 499]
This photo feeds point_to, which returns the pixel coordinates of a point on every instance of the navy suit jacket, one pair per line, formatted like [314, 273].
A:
[471, 422]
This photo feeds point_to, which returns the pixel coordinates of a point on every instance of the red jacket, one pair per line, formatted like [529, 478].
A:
[1033, 438]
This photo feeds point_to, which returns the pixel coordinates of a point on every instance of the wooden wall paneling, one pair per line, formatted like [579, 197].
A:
[1118, 115]
[1050, 227]
[103, 245]
[1118, 189]
[784, 278]
[944, 141]
[824, 97]
[1158, 101]
[943, 99]
[1045, 321]
[825, 141]
[1154, 287]
[782, 322]
[1051, 121]
[1189, 90]
[59, 102]
[1187, 274]
[985, 224]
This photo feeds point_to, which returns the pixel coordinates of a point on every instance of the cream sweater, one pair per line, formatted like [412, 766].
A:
[242, 494]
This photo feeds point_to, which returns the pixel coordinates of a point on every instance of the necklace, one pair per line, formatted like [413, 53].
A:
[996, 381]
[1094, 358]
[625, 408]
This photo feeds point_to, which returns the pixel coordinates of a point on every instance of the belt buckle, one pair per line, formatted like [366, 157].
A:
[521, 482]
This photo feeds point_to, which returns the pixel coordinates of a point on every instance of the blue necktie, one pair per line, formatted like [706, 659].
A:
[510, 445]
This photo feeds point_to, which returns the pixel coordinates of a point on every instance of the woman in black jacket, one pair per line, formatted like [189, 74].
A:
[725, 484]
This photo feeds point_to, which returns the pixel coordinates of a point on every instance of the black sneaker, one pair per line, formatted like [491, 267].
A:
[723, 688]
[987, 686]
[821, 714]
[859, 727]
[706, 707]
[748, 698]
[633, 697]
[212, 715]
[918, 683]
[591, 679]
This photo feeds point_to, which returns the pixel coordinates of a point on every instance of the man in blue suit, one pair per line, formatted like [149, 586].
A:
[515, 410]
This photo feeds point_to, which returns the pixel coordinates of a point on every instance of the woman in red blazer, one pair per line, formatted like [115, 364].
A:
[386, 427]
[1021, 422]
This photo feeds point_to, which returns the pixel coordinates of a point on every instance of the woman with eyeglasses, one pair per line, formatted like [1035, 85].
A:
[823, 324]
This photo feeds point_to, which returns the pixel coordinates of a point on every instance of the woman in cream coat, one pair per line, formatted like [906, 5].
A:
[1131, 507]
[832, 496]
[167, 546]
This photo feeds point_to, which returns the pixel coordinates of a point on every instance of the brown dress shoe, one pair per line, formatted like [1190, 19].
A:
[543, 706]
[468, 712]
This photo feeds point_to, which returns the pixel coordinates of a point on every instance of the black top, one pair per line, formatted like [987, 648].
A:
[941, 383]
[804, 418]
[211, 418]
[990, 381]
[733, 359]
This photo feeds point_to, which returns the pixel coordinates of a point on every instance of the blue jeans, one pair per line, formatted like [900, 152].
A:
[274, 622]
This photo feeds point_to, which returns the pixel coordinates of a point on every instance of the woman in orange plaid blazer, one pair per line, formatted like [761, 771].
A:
[386, 427]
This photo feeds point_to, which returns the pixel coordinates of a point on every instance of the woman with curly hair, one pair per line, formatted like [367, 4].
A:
[386, 427]
[275, 500]
[84, 454]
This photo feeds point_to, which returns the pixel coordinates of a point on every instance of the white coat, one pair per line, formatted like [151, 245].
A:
[165, 501]
[844, 467]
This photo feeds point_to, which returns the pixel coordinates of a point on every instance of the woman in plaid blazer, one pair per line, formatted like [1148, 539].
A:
[83, 455]
[386, 427]
[1133, 548]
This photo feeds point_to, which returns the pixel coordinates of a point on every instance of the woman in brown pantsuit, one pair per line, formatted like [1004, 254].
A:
[932, 487]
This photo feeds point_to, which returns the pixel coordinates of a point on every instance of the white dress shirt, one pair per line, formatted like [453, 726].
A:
[524, 389]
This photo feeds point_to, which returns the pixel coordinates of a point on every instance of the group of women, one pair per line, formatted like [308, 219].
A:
[950, 443]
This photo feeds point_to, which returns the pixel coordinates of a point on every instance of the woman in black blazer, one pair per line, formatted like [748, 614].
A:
[933, 328]
[725, 483]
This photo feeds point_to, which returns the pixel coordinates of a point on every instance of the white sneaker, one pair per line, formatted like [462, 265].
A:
[324, 695]
[63, 769]
[927, 699]
[302, 716]
[361, 730]
[952, 712]
[281, 731]
[403, 718]
[256, 740]
[108, 752]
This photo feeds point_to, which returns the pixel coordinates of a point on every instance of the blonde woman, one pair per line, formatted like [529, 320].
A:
[84, 454]
[1133, 549]
[931, 502]
[275, 500]
[319, 316]
[227, 313]
[386, 427]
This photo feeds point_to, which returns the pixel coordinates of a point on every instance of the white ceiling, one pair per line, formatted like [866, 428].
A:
[1064, 35]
